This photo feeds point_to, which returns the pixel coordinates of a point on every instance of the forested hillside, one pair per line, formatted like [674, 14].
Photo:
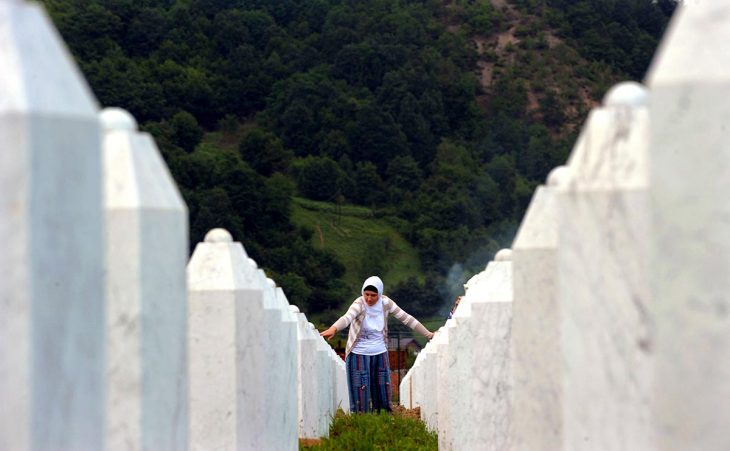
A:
[439, 117]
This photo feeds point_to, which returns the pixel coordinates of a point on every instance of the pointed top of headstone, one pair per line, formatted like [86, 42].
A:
[504, 255]
[695, 46]
[626, 93]
[113, 119]
[539, 227]
[218, 236]
[37, 72]
[559, 176]
[611, 151]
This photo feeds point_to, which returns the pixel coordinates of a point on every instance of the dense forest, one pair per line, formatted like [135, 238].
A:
[441, 117]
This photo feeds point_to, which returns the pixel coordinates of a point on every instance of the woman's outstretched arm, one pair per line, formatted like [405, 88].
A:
[343, 321]
[409, 320]
[329, 333]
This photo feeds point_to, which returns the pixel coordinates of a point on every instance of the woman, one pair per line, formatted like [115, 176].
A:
[366, 352]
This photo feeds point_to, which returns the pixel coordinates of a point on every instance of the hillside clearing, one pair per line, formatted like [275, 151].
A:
[366, 245]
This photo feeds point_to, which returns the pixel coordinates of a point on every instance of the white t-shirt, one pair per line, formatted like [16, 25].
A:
[372, 339]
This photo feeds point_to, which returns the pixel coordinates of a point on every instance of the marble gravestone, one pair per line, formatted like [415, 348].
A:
[444, 395]
[429, 373]
[52, 264]
[417, 379]
[690, 211]
[459, 375]
[461, 380]
[307, 383]
[491, 381]
[607, 335]
[288, 425]
[537, 413]
[228, 356]
[146, 252]
[325, 383]
[342, 394]
[410, 387]
[279, 340]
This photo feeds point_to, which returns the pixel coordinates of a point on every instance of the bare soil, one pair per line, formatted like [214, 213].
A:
[401, 411]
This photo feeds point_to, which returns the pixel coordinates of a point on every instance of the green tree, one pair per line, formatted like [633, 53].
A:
[265, 152]
[318, 178]
[186, 132]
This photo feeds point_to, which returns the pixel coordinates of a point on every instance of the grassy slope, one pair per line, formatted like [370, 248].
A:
[364, 244]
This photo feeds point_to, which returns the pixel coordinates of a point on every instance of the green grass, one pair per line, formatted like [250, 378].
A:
[376, 432]
[366, 245]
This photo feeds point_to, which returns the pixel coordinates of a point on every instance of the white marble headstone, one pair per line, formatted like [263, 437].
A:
[146, 252]
[51, 219]
[325, 383]
[606, 331]
[444, 395]
[308, 384]
[536, 353]
[491, 382]
[690, 211]
[229, 363]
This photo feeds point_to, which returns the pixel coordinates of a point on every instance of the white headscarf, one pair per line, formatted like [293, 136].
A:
[374, 318]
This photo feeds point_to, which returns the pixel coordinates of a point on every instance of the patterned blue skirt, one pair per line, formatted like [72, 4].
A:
[368, 381]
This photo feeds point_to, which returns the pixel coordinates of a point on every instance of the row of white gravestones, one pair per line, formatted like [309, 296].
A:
[461, 387]
[260, 374]
[107, 339]
[317, 362]
[620, 331]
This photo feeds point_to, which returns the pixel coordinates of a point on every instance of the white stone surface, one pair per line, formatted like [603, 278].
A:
[230, 361]
[604, 239]
[279, 418]
[325, 389]
[429, 394]
[461, 380]
[343, 397]
[406, 390]
[491, 384]
[444, 393]
[627, 93]
[460, 376]
[288, 420]
[52, 284]
[690, 182]
[306, 380]
[146, 252]
[319, 391]
[418, 380]
[536, 353]
[559, 176]
[504, 255]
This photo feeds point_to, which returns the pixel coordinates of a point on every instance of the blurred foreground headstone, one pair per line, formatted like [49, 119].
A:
[51, 265]
[690, 210]
[146, 254]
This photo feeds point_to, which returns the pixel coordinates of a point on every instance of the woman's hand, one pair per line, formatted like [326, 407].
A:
[430, 335]
[329, 333]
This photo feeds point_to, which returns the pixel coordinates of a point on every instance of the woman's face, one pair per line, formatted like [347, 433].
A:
[371, 297]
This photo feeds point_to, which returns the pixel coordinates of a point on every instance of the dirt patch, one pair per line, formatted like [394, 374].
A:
[401, 411]
[506, 38]
[552, 40]
[486, 71]
[481, 43]
[502, 5]
[533, 104]
[308, 442]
